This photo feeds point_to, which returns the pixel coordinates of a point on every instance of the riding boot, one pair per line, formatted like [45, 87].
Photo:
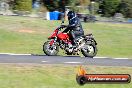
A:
[75, 45]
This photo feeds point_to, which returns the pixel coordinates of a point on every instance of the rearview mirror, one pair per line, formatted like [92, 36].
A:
[62, 22]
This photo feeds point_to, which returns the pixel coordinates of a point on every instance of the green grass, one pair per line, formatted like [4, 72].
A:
[114, 40]
[53, 76]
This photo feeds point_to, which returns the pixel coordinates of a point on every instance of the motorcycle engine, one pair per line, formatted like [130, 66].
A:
[62, 45]
[69, 48]
[80, 42]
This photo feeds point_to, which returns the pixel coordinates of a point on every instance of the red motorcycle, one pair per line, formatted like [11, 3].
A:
[85, 44]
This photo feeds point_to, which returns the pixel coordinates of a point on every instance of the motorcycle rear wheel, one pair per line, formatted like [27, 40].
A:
[50, 50]
[89, 50]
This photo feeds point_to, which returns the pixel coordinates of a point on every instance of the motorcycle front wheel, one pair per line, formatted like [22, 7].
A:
[50, 50]
[89, 50]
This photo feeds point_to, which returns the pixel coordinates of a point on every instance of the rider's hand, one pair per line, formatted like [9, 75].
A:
[69, 26]
[63, 26]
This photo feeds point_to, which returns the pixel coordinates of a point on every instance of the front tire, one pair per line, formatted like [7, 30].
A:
[50, 50]
[89, 50]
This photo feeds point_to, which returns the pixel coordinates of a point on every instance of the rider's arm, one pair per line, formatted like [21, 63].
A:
[73, 22]
[66, 30]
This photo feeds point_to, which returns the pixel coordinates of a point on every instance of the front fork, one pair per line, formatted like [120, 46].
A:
[53, 41]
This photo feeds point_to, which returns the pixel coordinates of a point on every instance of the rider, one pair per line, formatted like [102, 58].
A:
[75, 28]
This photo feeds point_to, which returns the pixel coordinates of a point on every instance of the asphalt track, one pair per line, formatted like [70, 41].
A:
[71, 60]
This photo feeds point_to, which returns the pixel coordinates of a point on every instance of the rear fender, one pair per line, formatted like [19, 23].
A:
[90, 40]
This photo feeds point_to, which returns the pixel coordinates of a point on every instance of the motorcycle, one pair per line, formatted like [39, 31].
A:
[85, 44]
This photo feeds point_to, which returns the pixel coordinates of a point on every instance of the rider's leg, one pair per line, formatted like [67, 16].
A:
[73, 36]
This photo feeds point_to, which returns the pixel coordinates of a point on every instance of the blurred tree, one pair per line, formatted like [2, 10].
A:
[94, 7]
[10, 2]
[109, 7]
[60, 4]
[73, 4]
[53, 5]
[23, 5]
[84, 2]
[125, 8]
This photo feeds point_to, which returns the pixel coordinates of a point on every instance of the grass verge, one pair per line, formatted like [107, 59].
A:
[53, 76]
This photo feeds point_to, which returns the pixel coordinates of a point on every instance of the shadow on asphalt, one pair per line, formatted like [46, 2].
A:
[70, 56]
[53, 56]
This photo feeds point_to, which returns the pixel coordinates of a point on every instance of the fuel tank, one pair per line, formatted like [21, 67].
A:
[63, 36]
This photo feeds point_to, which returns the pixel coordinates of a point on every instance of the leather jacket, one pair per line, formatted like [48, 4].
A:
[74, 25]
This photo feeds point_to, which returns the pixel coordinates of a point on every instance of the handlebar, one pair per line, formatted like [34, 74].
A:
[62, 26]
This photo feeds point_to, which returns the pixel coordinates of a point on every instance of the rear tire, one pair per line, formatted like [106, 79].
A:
[89, 51]
[50, 50]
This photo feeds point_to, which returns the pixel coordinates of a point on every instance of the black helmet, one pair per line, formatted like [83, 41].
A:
[71, 14]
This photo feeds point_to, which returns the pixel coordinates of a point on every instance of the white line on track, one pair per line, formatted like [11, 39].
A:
[21, 54]
[6, 53]
[44, 61]
[13, 54]
[72, 62]
[100, 57]
[111, 58]
[121, 58]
